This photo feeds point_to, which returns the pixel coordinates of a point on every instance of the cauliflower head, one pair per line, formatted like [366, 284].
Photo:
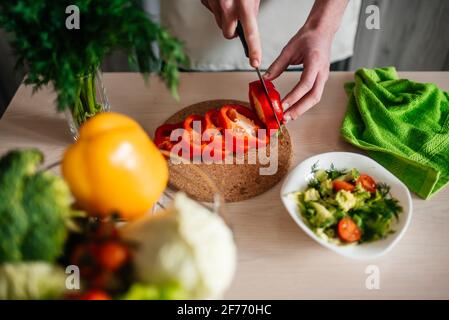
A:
[187, 245]
[31, 281]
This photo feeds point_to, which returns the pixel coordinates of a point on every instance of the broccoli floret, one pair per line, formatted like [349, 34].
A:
[14, 167]
[346, 200]
[13, 226]
[298, 197]
[355, 174]
[33, 209]
[311, 194]
[320, 175]
[361, 195]
[46, 200]
[323, 216]
[326, 187]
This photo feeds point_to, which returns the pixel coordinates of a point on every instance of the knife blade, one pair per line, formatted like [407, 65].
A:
[241, 35]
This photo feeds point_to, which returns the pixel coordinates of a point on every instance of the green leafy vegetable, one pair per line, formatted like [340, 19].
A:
[14, 168]
[314, 167]
[334, 173]
[383, 189]
[46, 199]
[314, 183]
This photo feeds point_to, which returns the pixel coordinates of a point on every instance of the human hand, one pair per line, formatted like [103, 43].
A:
[311, 47]
[228, 12]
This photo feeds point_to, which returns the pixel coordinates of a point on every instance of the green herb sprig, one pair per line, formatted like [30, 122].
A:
[334, 173]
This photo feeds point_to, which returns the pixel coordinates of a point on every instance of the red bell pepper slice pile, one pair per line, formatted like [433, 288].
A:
[260, 103]
[206, 136]
[243, 125]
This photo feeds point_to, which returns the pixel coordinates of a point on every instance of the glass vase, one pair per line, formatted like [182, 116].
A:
[90, 99]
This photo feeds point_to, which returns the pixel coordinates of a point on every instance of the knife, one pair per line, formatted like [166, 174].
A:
[241, 34]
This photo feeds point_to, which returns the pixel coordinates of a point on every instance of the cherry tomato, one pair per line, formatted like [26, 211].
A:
[112, 255]
[83, 256]
[367, 183]
[94, 294]
[342, 185]
[101, 279]
[348, 230]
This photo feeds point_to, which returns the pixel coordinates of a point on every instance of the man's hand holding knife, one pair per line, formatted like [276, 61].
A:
[310, 46]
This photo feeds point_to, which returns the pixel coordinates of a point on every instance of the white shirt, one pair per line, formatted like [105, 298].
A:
[278, 21]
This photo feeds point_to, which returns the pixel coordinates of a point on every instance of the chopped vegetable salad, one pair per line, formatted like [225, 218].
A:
[345, 207]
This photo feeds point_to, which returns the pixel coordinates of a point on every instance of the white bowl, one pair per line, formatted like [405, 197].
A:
[299, 177]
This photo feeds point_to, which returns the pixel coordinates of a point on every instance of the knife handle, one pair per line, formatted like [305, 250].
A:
[241, 34]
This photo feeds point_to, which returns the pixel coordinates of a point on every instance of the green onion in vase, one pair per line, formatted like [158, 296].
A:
[69, 59]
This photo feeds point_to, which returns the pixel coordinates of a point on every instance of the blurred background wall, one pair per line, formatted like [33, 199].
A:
[9, 79]
[412, 36]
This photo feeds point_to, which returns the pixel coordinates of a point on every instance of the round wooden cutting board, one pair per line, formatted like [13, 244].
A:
[236, 181]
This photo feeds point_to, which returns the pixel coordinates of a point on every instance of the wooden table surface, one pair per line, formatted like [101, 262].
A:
[276, 259]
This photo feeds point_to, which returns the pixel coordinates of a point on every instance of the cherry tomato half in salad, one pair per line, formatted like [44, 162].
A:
[342, 185]
[367, 183]
[348, 231]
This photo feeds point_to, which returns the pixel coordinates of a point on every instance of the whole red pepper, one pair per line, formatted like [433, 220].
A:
[243, 126]
[260, 103]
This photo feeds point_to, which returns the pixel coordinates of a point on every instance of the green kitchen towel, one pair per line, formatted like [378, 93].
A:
[404, 125]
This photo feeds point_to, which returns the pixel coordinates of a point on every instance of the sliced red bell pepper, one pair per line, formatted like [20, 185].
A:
[213, 135]
[205, 136]
[211, 119]
[214, 151]
[243, 126]
[162, 136]
[260, 103]
[212, 122]
[194, 127]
